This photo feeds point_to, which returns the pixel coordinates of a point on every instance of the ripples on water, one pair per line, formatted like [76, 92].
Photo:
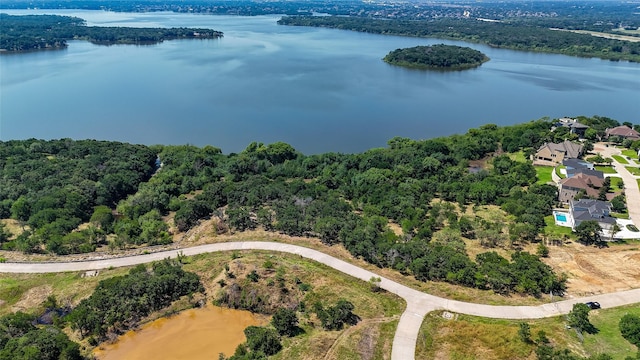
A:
[318, 89]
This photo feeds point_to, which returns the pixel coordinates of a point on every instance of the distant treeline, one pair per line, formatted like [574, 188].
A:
[516, 36]
[35, 32]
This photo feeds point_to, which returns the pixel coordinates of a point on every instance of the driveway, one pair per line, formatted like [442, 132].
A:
[418, 303]
[630, 182]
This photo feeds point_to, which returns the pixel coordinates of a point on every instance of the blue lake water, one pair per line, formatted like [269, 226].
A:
[317, 89]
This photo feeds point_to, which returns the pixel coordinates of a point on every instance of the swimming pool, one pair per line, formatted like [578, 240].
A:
[561, 217]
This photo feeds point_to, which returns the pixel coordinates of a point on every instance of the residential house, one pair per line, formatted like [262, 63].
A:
[624, 132]
[552, 154]
[571, 186]
[588, 209]
[574, 126]
[577, 166]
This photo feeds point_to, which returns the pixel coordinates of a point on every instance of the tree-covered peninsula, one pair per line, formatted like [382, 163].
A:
[439, 56]
[516, 35]
[37, 32]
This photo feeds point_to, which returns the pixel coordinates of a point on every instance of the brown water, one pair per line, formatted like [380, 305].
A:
[192, 334]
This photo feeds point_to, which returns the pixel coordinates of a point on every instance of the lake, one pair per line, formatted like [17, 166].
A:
[318, 89]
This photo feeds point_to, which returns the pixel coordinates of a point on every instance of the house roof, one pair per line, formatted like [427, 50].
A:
[571, 123]
[623, 131]
[589, 209]
[596, 207]
[582, 181]
[594, 173]
[577, 125]
[570, 149]
[576, 163]
[583, 215]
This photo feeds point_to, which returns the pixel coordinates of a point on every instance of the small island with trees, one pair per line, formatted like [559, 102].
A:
[437, 57]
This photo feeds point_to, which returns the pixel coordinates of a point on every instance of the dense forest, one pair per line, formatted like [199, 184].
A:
[51, 187]
[423, 186]
[508, 35]
[21, 339]
[439, 56]
[74, 196]
[34, 32]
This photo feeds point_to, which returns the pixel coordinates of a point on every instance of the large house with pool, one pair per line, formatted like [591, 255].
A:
[584, 210]
[589, 209]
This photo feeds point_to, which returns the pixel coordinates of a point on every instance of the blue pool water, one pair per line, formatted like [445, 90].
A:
[561, 217]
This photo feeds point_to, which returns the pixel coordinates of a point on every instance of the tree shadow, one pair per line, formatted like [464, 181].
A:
[352, 319]
[590, 329]
[296, 331]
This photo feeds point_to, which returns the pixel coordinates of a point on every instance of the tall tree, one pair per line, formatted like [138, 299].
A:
[589, 232]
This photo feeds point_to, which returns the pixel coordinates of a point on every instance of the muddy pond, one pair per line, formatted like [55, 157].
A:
[192, 334]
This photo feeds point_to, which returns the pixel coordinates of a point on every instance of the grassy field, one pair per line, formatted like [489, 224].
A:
[619, 215]
[620, 159]
[630, 153]
[606, 169]
[544, 174]
[608, 339]
[616, 183]
[518, 156]
[378, 311]
[469, 337]
[633, 170]
[27, 291]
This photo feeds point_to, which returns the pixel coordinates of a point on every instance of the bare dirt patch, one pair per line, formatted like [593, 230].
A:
[13, 226]
[32, 298]
[594, 271]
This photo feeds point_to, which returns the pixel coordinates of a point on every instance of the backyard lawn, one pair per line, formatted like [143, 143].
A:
[518, 156]
[544, 174]
[554, 231]
[616, 183]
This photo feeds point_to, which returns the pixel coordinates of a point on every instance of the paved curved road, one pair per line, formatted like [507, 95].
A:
[418, 303]
[631, 189]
